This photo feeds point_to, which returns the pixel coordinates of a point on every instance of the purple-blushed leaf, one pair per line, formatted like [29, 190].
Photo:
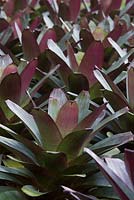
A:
[35, 23]
[50, 34]
[50, 134]
[89, 120]
[27, 75]
[73, 143]
[33, 3]
[129, 163]
[64, 11]
[72, 59]
[67, 117]
[83, 104]
[27, 119]
[10, 87]
[119, 168]
[10, 7]
[29, 45]
[10, 69]
[108, 5]
[77, 195]
[74, 8]
[57, 99]
[3, 24]
[121, 188]
[89, 61]
[130, 85]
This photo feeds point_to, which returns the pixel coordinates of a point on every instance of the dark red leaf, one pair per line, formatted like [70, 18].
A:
[67, 117]
[64, 11]
[3, 24]
[88, 121]
[110, 5]
[27, 75]
[29, 45]
[11, 6]
[130, 85]
[94, 56]
[9, 70]
[50, 34]
[10, 87]
[72, 59]
[86, 39]
[115, 34]
[129, 162]
[74, 8]
[35, 23]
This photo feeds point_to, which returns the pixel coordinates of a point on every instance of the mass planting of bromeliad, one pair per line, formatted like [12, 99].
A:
[67, 100]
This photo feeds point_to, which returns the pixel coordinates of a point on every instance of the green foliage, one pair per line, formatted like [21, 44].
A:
[66, 90]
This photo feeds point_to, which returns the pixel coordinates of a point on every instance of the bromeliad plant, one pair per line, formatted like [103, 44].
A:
[118, 172]
[52, 162]
[47, 44]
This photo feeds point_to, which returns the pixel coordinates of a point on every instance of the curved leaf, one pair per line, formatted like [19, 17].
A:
[31, 191]
[27, 75]
[50, 135]
[50, 34]
[10, 193]
[10, 87]
[129, 163]
[112, 142]
[17, 147]
[67, 117]
[57, 99]
[89, 120]
[89, 61]
[27, 119]
[72, 59]
[122, 189]
[29, 45]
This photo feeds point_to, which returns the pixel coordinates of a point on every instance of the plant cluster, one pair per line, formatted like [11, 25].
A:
[66, 99]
